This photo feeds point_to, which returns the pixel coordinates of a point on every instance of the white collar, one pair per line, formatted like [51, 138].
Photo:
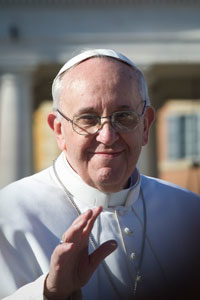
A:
[85, 194]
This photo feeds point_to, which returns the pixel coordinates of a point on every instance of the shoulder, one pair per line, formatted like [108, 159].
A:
[162, 187]
[168, 197]
[30, 185]
[30, 194]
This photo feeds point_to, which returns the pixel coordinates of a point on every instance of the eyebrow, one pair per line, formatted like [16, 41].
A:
[92, 110]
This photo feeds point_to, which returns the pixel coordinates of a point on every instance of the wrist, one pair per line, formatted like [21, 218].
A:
[53, 294]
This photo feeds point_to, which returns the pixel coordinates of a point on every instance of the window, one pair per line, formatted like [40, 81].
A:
[184, 136]
[178, 143]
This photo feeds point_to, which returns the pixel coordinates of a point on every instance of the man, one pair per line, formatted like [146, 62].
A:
[123, 235]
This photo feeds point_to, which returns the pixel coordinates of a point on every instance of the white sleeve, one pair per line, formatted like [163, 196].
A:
[31, 291]
[34, 291]
[21, 275]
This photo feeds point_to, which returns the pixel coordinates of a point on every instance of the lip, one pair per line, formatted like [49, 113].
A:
[108, 153]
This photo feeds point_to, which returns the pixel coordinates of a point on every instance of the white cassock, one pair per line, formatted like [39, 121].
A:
[155, 224]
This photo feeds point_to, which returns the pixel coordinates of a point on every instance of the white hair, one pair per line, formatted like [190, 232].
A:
[107, 53]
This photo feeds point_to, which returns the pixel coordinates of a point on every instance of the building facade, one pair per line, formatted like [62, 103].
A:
[38, 36]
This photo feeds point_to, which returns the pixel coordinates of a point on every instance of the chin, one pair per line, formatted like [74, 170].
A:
[110, 184]
[108, 188]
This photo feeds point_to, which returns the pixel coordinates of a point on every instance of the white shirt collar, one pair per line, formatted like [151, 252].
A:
[85, 194]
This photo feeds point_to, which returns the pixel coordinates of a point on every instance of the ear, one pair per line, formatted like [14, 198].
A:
[56, 126]
[148, 119]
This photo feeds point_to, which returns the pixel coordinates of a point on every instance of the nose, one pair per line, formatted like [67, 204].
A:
[107, 134]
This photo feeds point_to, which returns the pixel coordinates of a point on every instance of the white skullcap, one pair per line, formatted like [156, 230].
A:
[91, 53]
[95, 53]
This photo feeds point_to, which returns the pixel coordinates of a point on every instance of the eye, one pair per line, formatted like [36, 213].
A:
[86, 120]
[126, 118]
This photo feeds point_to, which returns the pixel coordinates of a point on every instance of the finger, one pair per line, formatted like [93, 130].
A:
[84, 216]
[74, 232]
[101, 253]
[96, 212]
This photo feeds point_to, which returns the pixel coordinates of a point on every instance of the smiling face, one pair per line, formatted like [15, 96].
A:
[101, 86]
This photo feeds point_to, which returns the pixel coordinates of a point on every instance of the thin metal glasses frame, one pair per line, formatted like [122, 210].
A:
[100, 118]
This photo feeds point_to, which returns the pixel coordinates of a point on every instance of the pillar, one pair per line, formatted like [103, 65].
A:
[15, 126]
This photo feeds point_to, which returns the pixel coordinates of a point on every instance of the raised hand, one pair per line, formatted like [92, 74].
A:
[71, 266]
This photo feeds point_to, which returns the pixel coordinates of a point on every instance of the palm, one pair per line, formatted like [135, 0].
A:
[71, 266]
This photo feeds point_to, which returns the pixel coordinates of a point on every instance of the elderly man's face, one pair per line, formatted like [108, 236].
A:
[102, 86]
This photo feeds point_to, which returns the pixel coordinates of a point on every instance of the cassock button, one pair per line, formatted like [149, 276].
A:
[128, 231]
[132, 255]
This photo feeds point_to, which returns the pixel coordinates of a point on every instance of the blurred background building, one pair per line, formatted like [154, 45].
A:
[161, 36]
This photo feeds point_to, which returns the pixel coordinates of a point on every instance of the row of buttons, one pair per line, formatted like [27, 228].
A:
[128, 231]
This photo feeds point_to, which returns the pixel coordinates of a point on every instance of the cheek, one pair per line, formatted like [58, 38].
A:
[140, 136]
[134, 140]
[135, 143]
[76, 148]
[74, 156]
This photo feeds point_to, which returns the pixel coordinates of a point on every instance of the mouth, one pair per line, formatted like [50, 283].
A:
[108, 154]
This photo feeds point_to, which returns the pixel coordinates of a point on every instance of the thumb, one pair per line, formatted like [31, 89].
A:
[101, 253]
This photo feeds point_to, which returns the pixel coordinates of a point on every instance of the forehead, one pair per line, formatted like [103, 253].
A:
[100, 77]
[99, 65]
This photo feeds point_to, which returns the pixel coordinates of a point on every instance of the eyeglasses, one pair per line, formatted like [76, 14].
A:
[121, 121]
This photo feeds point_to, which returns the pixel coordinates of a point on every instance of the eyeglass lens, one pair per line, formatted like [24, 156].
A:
[120, 121]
